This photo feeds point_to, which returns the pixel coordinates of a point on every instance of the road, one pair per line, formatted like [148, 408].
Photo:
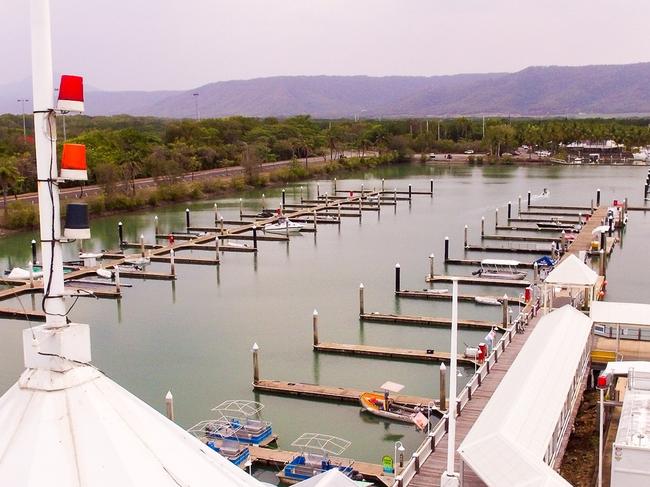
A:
[74, 192]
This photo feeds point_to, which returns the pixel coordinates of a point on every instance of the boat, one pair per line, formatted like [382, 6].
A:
[643, 155]
[244, 418]
[105, 273]
[137, 260]
[436, 291]
[380, 404]
[221, 438]
[500, 269]
[20, 273]
[555, 223]
[283, 225]
[489, 300]
[315, 458]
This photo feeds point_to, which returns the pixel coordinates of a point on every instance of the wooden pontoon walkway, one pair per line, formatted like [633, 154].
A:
[435, 465]
[481, 281]
[447, 296]
[424, 321]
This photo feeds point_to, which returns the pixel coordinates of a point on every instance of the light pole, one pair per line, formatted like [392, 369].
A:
[449, 477]
[398, 447]
[196, 105]
[22, 103]
[602, 384]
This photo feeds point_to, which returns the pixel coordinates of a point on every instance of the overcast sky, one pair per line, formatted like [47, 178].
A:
[181, 44]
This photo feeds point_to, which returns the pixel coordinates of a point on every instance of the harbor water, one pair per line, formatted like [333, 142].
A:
[194, 336]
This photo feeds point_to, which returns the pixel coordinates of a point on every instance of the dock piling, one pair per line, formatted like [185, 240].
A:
[361, 307]
[535, 273]
[187, 220]
[466, 230]
[155, 225]
[528, 199]
[315, 222]
[509, 210]
[395, 197]
[314, 323]
[31, 273]
[142, 245]
[301, 198]
[256, 363]
[601, 262]
[410, 193]
[598, 197]
[431, 186]
[317, 190]
[34, 260]
[221, 225]
[482, 226]
[519, 206]
[443, 387]
[241, 207]
[398, 285]
[496, 218]
[117, 279]
[431, 267]
[504, 309]
[169, 406]
[216, 215]
[120, 233]
[610, 224]
[284, 195]
[334, 187]
[383, 181]
[172, 267]
[446, 249]
[254, 236]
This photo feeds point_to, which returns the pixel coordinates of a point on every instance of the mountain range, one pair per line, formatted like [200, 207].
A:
[541, 91]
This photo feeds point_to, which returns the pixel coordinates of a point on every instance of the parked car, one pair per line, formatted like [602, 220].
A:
[432, 156]
[469, 151]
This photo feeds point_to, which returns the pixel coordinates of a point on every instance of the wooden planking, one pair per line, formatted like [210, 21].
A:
[560, 207]
[544, 220]
[388, 352]
[329, 393]
[27, 314]
[554, 213]
[521, 238]
[447, 296]
[477, 262]
[529, 228]
[536, 249]
[432, 469]
[424, 320]
[584, 238]
[478, 280]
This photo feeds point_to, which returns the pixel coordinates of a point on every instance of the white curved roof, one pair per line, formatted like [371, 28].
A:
[620, 313]
[504, 262]
[519, 420]
[571, 271]
[97, 434]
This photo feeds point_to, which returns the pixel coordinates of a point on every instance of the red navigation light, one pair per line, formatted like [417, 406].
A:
[603, 381]
[71, 94]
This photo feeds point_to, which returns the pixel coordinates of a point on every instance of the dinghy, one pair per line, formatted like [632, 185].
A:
[380, 404]
[500, 269]
[489, 300]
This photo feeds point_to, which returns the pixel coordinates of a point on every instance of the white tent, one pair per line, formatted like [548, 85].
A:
[515, 439]
[572, 280]
[331, 478]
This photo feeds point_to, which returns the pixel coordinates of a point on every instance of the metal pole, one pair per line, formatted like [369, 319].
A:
[398, 285]
[216, 214]
[431, 186]
[34, 260]
[528, 196]
[187, 220]
[46, 165]
[509, 210]
[598, 197]
[443, 387]
[284, 195]
[254, 236]
[361, 307]
[451, 442]
[314, 322]
[120, 233]
[601, 421]
[446, 249]
[410, 192]
[496, 218]
[519, 206]
[155, 224]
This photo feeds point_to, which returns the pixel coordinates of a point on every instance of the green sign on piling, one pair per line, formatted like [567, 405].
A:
[387, 464]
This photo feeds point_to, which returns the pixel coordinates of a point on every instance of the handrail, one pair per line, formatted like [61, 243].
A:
[436, 435]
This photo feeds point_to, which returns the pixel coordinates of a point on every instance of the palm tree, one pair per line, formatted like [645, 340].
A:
[9, 178]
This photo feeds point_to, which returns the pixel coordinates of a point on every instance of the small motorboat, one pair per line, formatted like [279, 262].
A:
[314, 458]
[500, 269]
[488, 300]
[105, 273]
[436, 291]
[246, 424]
[283, 225]
[555, 223]
[380, 404]
[20, 274]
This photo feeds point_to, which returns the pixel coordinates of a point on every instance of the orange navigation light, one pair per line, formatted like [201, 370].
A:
[73, 162]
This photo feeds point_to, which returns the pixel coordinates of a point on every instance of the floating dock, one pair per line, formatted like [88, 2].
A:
[447, 296]
[424, 321]
[481, 281]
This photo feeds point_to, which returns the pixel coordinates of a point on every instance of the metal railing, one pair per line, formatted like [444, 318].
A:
[436, 435]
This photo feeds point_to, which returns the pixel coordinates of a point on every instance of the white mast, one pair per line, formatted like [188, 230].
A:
[46, 166]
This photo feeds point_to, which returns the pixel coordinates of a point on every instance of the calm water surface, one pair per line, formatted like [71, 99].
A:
[194, 336]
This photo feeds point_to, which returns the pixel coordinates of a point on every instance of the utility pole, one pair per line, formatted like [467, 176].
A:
[438, 129]
[483, 126]
[196, 105]
[22, 102]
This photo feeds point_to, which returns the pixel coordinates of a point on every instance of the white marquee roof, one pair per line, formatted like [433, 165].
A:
[97, 434]
[620, 313]
[572, 272]
[518, 421]
[331, 478]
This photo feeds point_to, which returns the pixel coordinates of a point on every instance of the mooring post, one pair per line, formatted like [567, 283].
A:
[256, 363]
[395, 197]
[383, 181]
[142, 244]
[120, 233]
[598, 197]
[431, 258]
[466, 230]
[300, 194]
[314, 322]
[284, 195]
[603, 240]
[315, 222]
[360, 210]
[504, 309]
[431, 186]
[31, 273]
[221, 225]
[601, 263]
[254, 236]
[496, 218]
[34, 260]
[334, 187]
[610, 223]
[410, 192]
[172, 267]
[398, 285]
[317, 190]
[535, 273]
[155, 225]
[528, 199]
[362, 191]
[443, 386]
[338, 211]
[361, 308]
[117, 278]
[563, 241]
[241, 208]
[286, 226]
[216, 247]
[519, 206]
[446, 249]
[216, 214]
[169, 406]
[482, 226]
[509, 210]
[187, 220]
[327, 199]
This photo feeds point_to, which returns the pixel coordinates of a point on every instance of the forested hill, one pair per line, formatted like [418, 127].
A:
[534, 91]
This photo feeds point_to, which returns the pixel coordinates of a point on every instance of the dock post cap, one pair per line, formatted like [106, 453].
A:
[315, 312]
[33, 241]
[155, 217]
[361, 286]
[187, 210]
[169, 396]
[443, 367]
[465, 226]
[171, 251]
[446, 238]
[119, 223]
[255, 347]
[142, 236]
[397, 266]
[431, 256]
[505, 296]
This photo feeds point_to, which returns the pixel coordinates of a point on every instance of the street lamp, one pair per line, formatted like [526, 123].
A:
[22, 103]
[196, 105]
[397, 448]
